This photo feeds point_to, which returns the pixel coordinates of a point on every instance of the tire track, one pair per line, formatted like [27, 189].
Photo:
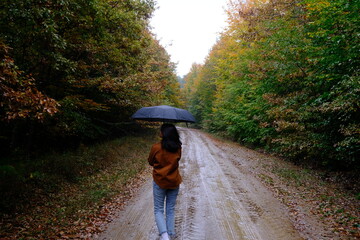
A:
[220, 203]
[237, 205]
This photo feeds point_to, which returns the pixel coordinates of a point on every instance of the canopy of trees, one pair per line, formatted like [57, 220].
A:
[285, 76]
[74, 70]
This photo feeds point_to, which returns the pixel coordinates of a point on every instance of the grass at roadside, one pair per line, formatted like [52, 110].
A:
[66, 190]
[329, 195]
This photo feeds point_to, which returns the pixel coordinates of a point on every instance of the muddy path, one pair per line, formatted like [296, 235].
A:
[219, 199]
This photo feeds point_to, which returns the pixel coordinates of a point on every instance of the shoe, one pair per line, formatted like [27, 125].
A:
[164, 236]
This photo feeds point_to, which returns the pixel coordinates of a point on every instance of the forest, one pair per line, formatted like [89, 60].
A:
[71, 75]
[284, 76]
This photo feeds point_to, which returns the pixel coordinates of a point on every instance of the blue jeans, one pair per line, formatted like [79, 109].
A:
[160, 196]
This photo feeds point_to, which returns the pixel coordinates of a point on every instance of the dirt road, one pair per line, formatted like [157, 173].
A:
[219, 199]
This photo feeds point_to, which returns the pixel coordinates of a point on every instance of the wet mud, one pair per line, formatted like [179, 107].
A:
[219, 199]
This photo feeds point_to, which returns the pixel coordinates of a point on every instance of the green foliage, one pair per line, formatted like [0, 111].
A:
[285, 76]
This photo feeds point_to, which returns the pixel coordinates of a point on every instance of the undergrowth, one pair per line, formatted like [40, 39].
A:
[330, 195]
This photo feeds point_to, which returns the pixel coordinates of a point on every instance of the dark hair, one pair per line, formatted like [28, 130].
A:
[170, 137]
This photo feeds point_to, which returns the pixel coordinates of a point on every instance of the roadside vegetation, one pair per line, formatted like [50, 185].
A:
[284, 76]
[331, 197]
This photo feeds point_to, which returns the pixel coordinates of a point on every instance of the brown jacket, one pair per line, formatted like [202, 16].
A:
[165, 167]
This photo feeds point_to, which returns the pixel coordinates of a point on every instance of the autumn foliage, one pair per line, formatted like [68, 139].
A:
[75, 71]
[20, 98]
[285, 76]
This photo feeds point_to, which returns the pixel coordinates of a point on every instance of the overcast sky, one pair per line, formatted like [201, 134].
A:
[188, 29]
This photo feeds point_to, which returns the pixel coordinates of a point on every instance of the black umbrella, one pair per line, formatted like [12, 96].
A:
[163, 113]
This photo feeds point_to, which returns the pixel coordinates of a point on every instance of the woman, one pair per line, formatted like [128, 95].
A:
[164, 157]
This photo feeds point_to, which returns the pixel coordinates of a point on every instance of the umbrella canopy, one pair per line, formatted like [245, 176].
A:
[163, 113]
